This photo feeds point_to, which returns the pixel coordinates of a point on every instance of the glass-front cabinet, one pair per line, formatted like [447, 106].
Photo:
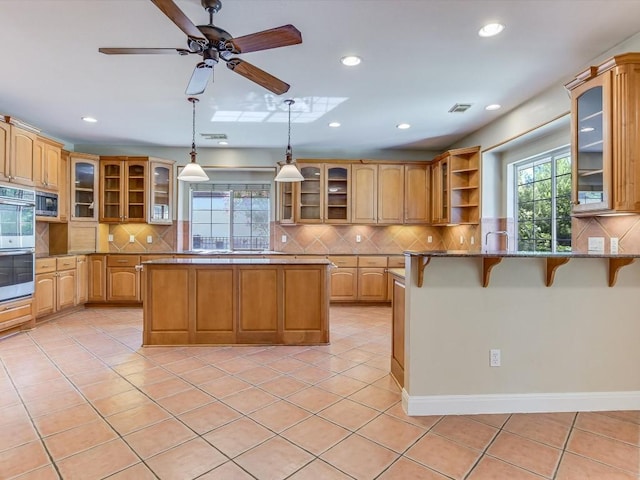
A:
[160, 192]
[337, 208]
[310, 201]
[591, 157]
[84, 187]
[123, 189]
[605, 101]
[286, 192]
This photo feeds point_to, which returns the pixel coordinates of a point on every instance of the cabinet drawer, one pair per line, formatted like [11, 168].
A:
[123, 260]
[396, 262]
[344, 260]
[45, 265]
[15, 313]
[65, 263]
[379, 262]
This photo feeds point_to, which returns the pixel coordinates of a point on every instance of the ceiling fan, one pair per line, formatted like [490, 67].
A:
[214, 44]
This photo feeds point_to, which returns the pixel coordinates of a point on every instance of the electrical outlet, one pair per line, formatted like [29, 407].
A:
[284, 239]
[149, 239]
[429, 239]
[358, 238]
[461, 239]
[132, 238]
[110, 237]
[614, 245]
[472, 241]
[595, 245]
[494, 357]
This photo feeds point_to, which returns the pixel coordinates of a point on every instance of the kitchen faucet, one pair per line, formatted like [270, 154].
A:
[498, 232]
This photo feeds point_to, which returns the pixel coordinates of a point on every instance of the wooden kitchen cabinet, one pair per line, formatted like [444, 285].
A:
[372, 279]
[286, 202]
[16, 315]
[123, 189]
[605, 134]
[398, 330]
[455, 187]
[97, 279]
[46, 171]
[417, 194]
[123, 278]
[55, 285]
[64, 187]
[160, 192]
[310, 205]
[344, 278]
[82, 279]
[17, 153]
[390, 194]
[364, 193]
[83, 174]
[337, 193]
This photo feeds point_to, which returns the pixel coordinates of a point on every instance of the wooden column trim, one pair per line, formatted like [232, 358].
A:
[552, 265]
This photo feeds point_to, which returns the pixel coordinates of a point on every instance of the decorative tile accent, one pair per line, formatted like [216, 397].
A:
[42, 239]
[625, 227]
[163, 238]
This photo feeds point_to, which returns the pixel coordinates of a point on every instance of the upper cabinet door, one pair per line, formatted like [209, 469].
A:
[111, 194]
[135, 191]
[337, 204]
[390, 193]
[311, 200]
[84, 188]
[161, 192]
[591, 154]
[23, 156]
[417, 194]
[5, 151]
[364, 193]
[286, 207]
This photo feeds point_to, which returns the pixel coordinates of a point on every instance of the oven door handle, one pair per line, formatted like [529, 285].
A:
[16, 252]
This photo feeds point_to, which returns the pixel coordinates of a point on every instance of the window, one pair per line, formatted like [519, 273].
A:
[230, 217]
[543, 202]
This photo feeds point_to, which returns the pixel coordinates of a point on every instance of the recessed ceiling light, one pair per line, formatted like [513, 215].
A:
[403, 126]
[350, 60]
[89, 119]
[493, 106]
[334, 124]
[222, 142]
[587, 129]
[491, 29]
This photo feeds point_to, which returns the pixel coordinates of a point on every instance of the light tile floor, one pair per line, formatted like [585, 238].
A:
[80, 399]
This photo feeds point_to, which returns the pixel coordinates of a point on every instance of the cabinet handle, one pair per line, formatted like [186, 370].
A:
[122, 261]
[7, 309]
[139, 268]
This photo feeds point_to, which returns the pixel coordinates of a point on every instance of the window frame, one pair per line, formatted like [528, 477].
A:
[551, 156]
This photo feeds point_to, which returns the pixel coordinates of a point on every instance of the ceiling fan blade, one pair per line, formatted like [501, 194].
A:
[143, 51]
[176, 15]
[199, 79]
[273, 38]
[258, 76]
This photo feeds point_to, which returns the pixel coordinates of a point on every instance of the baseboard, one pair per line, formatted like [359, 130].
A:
[519, 403]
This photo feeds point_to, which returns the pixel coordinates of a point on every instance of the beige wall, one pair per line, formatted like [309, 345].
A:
[577, 336]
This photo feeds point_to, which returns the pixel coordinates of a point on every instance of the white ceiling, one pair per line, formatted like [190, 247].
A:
[419, 58]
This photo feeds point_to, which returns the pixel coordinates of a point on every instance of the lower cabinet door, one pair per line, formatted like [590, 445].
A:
[344, 284]
[45, 294]
[66, 289]
[372, 284]
[123, 284]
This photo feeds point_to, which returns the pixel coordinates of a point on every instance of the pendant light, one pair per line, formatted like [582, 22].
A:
[289, 172]
[192, 172]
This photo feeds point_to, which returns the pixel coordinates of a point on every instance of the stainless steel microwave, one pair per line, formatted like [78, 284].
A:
[46, 204]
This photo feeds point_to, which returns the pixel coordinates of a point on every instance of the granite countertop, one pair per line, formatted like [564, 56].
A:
[504, 253]
[237, 261]
[398, 272]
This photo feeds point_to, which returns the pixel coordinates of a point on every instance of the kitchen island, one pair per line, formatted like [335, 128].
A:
[563, 329]
[222, 301]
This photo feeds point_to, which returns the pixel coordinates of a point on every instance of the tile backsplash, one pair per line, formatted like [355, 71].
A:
[163, 238]
[624, 227]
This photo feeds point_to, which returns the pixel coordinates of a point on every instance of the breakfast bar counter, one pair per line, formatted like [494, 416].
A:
[498, 332]
[230, 301]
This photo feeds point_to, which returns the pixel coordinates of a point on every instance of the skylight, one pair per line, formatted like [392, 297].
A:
[268, 109]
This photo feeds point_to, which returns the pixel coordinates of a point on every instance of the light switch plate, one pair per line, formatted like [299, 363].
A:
[614, 245]
[149, 238]
[132, 238]
[429, 239]
[358, 238]
[284, 239]
[110, 237]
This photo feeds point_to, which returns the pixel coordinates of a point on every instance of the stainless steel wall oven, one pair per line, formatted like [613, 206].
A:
[17, 242]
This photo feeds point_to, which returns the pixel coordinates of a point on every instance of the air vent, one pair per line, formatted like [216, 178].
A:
[460, 108]
[214, 136]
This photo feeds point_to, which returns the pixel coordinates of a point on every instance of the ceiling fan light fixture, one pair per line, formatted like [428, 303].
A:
[192, 172]
[491, 29]
[351, 60]
[289, 172]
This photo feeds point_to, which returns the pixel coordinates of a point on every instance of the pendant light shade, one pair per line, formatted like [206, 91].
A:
[192, 172]
[289, 172]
